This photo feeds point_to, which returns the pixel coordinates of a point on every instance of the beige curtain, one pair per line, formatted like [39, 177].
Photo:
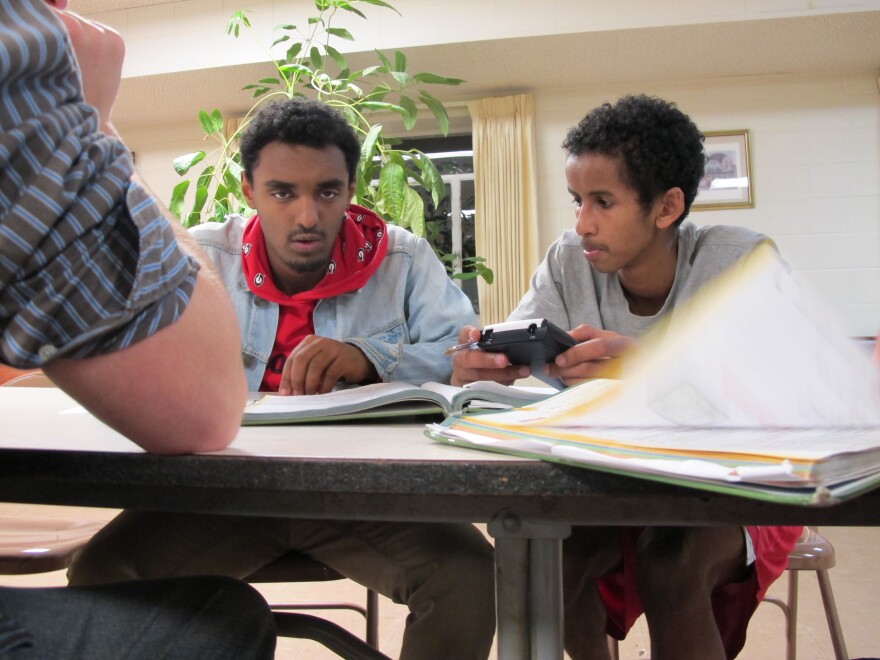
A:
[230, 127]
[506, 205]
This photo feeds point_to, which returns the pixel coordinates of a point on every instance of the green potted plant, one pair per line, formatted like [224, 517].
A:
[307, 63]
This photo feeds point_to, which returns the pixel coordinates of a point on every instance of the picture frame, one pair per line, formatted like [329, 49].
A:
[727, 183]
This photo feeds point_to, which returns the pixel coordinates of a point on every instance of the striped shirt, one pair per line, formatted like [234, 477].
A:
[88, 262]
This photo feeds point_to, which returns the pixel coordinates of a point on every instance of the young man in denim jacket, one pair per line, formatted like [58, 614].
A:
[325, 292]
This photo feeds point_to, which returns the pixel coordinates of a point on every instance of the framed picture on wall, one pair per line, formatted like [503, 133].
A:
[727, 182]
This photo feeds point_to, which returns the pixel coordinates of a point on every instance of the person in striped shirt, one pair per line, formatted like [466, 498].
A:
[106, 295]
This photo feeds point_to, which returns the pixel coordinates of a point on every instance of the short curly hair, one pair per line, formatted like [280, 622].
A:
[658, 146]
[298, 121]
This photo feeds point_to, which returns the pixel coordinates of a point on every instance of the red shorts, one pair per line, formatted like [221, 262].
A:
[733, 604]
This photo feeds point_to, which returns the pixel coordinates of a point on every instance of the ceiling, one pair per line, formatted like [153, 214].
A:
[808, 44]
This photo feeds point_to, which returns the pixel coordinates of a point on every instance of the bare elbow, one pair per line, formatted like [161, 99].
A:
[199, 434]
[196, 427]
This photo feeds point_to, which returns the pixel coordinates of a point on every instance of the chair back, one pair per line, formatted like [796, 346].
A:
[10, 377]
[812, 552]
[41, 545]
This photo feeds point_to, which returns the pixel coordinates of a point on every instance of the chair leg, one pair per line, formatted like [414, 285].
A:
[370, 613]
[831, 615]
[372, 616]
[334, 637]
[613, 648]
[791, 613]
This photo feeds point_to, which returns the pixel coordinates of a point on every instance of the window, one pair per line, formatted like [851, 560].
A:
[450, 224]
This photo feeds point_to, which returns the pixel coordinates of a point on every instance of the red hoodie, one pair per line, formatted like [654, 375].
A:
[357, 252]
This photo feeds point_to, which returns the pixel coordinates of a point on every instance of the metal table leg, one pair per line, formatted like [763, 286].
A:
[529, 587]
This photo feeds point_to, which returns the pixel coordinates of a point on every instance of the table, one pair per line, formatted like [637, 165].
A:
[52, 454]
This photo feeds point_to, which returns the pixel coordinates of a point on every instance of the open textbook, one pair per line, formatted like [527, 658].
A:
[386, 400]
[749, 388]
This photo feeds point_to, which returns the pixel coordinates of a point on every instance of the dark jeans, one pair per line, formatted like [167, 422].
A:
[202, 618]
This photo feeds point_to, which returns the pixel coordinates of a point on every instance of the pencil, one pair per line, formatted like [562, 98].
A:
[460, 347]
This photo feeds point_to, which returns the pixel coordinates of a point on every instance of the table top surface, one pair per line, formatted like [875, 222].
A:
[51, 451]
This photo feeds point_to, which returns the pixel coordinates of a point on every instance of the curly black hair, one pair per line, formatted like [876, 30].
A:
[658, 146]
[298, 121]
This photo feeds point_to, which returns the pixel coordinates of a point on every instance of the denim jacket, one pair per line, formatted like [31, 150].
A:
[408, 313]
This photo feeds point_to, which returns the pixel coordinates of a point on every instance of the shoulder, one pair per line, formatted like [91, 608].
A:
[568, 239]
[412, 248]
[401, 239]
[224, 236]
[564, 247]
[566, 252]
[711, 249]
[721, 235]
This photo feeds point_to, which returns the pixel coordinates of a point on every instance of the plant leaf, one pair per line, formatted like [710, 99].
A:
[386, 65]
[337, 57]
[381, 105]
[399, 61]
[182, 164]
[353, 10]
[202, 184]
[431, 177]
[221, 210]
[299, 68]
[211, 123]
[392, 191]
[315, 58]
[434, 79]
[177, 196]
[362, 192]
[410, 112]
[237, 19]
[231, 184]
[381, 3]
[413, 214]
[437, 110]
[402, 77]
[368, 148]
[293, 51]
[369, 71]
[341, 33]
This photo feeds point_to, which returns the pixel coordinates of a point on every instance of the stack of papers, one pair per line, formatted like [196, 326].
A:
[751, 388]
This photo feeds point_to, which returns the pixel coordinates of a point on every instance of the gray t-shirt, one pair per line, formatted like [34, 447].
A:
[568, 292]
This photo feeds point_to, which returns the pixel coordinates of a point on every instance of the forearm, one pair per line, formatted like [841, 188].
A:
[181, 390]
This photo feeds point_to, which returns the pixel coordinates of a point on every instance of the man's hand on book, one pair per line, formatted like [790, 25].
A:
[317, 364]
[470, 365]
[597, 355]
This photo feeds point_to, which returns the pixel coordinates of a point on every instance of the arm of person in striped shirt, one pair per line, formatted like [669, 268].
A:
[181, 388]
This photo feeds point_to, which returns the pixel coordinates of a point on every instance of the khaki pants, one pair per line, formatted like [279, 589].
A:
[444, 573]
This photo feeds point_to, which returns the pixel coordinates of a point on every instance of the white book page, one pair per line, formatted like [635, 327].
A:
[472, 391]
[524, 392]
[306, 403]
